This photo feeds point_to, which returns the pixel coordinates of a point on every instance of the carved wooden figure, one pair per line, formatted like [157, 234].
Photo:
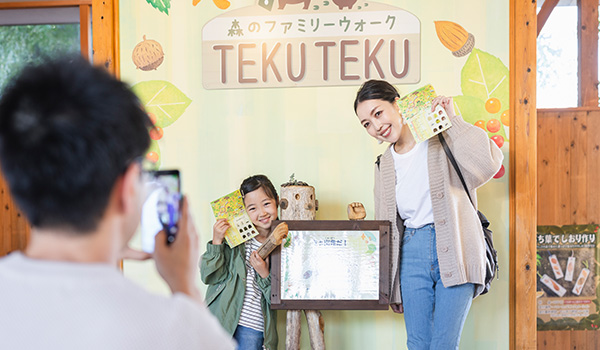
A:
[298, 202]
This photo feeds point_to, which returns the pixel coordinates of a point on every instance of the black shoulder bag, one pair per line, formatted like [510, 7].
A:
[491, 256]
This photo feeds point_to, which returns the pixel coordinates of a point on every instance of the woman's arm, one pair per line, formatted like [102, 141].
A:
[478, 156]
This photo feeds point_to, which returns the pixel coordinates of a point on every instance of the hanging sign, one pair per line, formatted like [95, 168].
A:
[344, 42]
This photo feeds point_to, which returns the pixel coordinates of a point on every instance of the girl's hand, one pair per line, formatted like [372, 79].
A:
[446, 103]
[261, 266]
[219, 229]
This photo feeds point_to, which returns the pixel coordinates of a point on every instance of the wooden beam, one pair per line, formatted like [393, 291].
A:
[587, 33]
[544, 13]
[105, 35]
[85, 30]
[523, 175]
[43, 4]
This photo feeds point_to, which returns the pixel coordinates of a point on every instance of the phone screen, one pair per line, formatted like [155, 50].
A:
[161, 208]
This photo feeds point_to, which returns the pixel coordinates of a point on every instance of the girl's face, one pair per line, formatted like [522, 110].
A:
[381, 119]
[261, 209]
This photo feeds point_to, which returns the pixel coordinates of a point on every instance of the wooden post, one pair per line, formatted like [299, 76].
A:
[523, 175]
[298, 202]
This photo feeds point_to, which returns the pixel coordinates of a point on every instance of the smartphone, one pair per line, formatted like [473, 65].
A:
[161, 207]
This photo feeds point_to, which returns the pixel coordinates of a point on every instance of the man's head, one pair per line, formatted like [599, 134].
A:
[68, 131]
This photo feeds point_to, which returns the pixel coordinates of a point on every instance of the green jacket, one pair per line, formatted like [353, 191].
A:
[223, 269]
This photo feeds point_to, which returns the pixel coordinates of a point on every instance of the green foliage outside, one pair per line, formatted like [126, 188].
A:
[31, 43]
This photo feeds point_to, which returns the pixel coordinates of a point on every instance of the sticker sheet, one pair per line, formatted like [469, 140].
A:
[416, 110]
[231, 207]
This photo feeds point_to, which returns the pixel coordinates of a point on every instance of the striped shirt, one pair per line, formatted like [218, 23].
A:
[251, 315]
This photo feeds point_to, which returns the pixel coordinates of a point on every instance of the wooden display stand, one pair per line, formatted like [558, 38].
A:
[298, 202]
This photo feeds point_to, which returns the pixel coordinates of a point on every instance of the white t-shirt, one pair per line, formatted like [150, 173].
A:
[412, 186]
[62, 305]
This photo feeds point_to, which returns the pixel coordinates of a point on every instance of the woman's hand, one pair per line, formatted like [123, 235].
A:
[397, 308]
[261, 266]
[219, 229]
[446, 103]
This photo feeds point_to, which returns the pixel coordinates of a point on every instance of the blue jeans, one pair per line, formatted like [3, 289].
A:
[248, 338]
[434, 315]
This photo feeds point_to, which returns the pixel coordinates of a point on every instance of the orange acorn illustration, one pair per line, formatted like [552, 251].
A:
[147, 55]
[455, 37]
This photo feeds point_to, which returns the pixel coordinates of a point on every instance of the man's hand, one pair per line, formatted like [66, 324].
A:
[356, 211]
[129, 253]
[177, 263]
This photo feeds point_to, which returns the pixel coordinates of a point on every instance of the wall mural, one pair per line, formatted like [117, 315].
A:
[484, 84]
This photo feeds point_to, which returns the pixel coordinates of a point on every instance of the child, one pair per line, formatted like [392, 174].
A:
[239, 283]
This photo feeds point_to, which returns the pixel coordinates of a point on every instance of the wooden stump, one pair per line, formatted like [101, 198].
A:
[292, 330]
[316, 329]
[298, 202]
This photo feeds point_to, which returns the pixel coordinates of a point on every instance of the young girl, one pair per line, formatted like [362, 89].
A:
[239, 283]
[442, 265]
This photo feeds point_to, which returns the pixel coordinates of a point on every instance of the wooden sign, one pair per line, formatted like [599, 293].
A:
[332, 265]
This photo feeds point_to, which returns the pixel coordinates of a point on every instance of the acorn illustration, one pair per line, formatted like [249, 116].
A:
[455, 37]
[147, 55]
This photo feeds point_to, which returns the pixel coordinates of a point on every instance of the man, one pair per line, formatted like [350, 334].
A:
[71, 142]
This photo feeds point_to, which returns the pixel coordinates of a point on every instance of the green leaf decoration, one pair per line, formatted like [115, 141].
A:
[161, 5]
[472, 109]
[163, 99]
[371, 248]
[485, 76]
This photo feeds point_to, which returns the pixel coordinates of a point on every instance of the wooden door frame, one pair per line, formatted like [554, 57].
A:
[523, 175]
[104, 16]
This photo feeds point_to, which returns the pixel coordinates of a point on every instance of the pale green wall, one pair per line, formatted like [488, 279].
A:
[227, 135]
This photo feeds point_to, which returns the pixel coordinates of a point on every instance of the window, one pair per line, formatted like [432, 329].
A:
[48, 32]
[557, 58]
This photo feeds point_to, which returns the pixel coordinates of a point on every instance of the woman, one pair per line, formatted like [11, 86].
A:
[437, 250]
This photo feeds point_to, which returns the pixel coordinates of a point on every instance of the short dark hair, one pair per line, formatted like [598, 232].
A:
[67, 132]
[376, 90]
[255, 182]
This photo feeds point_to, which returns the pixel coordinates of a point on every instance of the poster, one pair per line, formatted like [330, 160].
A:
[567, 277]
[330, 265]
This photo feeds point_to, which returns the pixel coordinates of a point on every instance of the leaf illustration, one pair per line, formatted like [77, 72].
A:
[161, 5]
[485, 76]
[472, 109]
[163, 99]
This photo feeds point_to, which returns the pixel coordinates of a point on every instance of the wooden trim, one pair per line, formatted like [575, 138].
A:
[85, 30]
[569, 109]
[43, 4]
[587, 34]
[523, 175]
[104, 41]
[544, 13]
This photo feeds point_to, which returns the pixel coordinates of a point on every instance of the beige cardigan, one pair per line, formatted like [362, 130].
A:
[460, 244]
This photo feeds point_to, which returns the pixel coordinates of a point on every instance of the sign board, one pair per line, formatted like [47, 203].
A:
[341, 265]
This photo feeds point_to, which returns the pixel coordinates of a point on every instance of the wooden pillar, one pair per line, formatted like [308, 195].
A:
[523, 174]
[298, 202]
[105, 29]
[587, 33]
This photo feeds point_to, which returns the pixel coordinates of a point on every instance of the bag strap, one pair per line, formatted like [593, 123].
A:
[455, 165]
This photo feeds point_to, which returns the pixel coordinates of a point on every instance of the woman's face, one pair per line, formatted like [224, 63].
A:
[381, 119]
[261, 209]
